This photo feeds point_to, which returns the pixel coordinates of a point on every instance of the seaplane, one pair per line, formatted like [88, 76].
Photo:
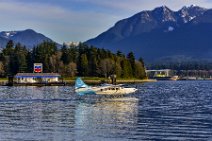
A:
[106, 89]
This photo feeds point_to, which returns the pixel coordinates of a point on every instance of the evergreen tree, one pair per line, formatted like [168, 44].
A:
[87, 61]
[93, 61]
[143, 74]
[65, 55]
[8, 53]
[73, 54]
[118, 69]
[20, 56]
[131, 59]
[139, 70]
[83, 65]
[2, 69]
[29, 59]
[9, 50]
[126, 69]
[42, 54]
[120, 54]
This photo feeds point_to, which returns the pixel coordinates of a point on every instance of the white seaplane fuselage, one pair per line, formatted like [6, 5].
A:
[106, 89]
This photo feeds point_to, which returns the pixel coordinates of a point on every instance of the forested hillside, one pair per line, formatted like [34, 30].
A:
[70, 61]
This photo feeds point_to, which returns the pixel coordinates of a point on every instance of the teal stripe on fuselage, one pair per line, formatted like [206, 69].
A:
[87, 92]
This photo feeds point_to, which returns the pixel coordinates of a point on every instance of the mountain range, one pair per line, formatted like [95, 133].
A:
[28, 38]
[162, 34]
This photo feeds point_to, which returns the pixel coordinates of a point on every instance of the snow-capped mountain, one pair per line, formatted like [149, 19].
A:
[27, 37]
[189, 13]
[161, 32]
[8, 34]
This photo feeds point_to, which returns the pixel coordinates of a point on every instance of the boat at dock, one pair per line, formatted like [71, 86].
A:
[174, 78]
[163, 74]
[106, 89]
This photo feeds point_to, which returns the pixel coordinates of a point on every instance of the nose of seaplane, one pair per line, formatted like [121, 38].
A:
[134, 89]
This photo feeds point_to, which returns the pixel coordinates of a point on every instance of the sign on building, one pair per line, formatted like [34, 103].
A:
[38, 67]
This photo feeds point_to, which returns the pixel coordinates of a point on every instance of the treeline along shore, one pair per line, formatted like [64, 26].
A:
[70, 61]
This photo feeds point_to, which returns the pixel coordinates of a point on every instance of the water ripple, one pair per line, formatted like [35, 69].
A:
[165, 110]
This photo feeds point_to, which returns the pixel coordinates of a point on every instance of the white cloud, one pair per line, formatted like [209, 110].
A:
[53, 21]
[65, 23]
[138, 5]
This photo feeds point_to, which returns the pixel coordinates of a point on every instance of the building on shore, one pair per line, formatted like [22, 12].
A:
[163, 74]
[37, 78]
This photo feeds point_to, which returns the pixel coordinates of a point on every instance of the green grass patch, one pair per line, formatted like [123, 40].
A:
[98, 78]
[84, 78]
[3, 79]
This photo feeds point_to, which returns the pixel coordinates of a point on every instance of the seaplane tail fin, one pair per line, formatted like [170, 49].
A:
[80, 84]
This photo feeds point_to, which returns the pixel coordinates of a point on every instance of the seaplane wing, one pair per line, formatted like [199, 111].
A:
[106, 89]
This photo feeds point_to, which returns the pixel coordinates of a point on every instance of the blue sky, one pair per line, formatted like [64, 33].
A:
[77, 20]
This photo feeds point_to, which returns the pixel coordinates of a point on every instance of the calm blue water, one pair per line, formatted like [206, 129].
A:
[165, 110]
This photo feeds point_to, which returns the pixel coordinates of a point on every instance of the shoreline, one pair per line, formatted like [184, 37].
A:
[92, 81]
[70, 82]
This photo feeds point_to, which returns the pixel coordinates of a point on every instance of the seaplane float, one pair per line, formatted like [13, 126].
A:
[105, 89]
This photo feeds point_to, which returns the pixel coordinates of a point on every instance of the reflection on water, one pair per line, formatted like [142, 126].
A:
[108, 118]
[35, 113]
[165, 110]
